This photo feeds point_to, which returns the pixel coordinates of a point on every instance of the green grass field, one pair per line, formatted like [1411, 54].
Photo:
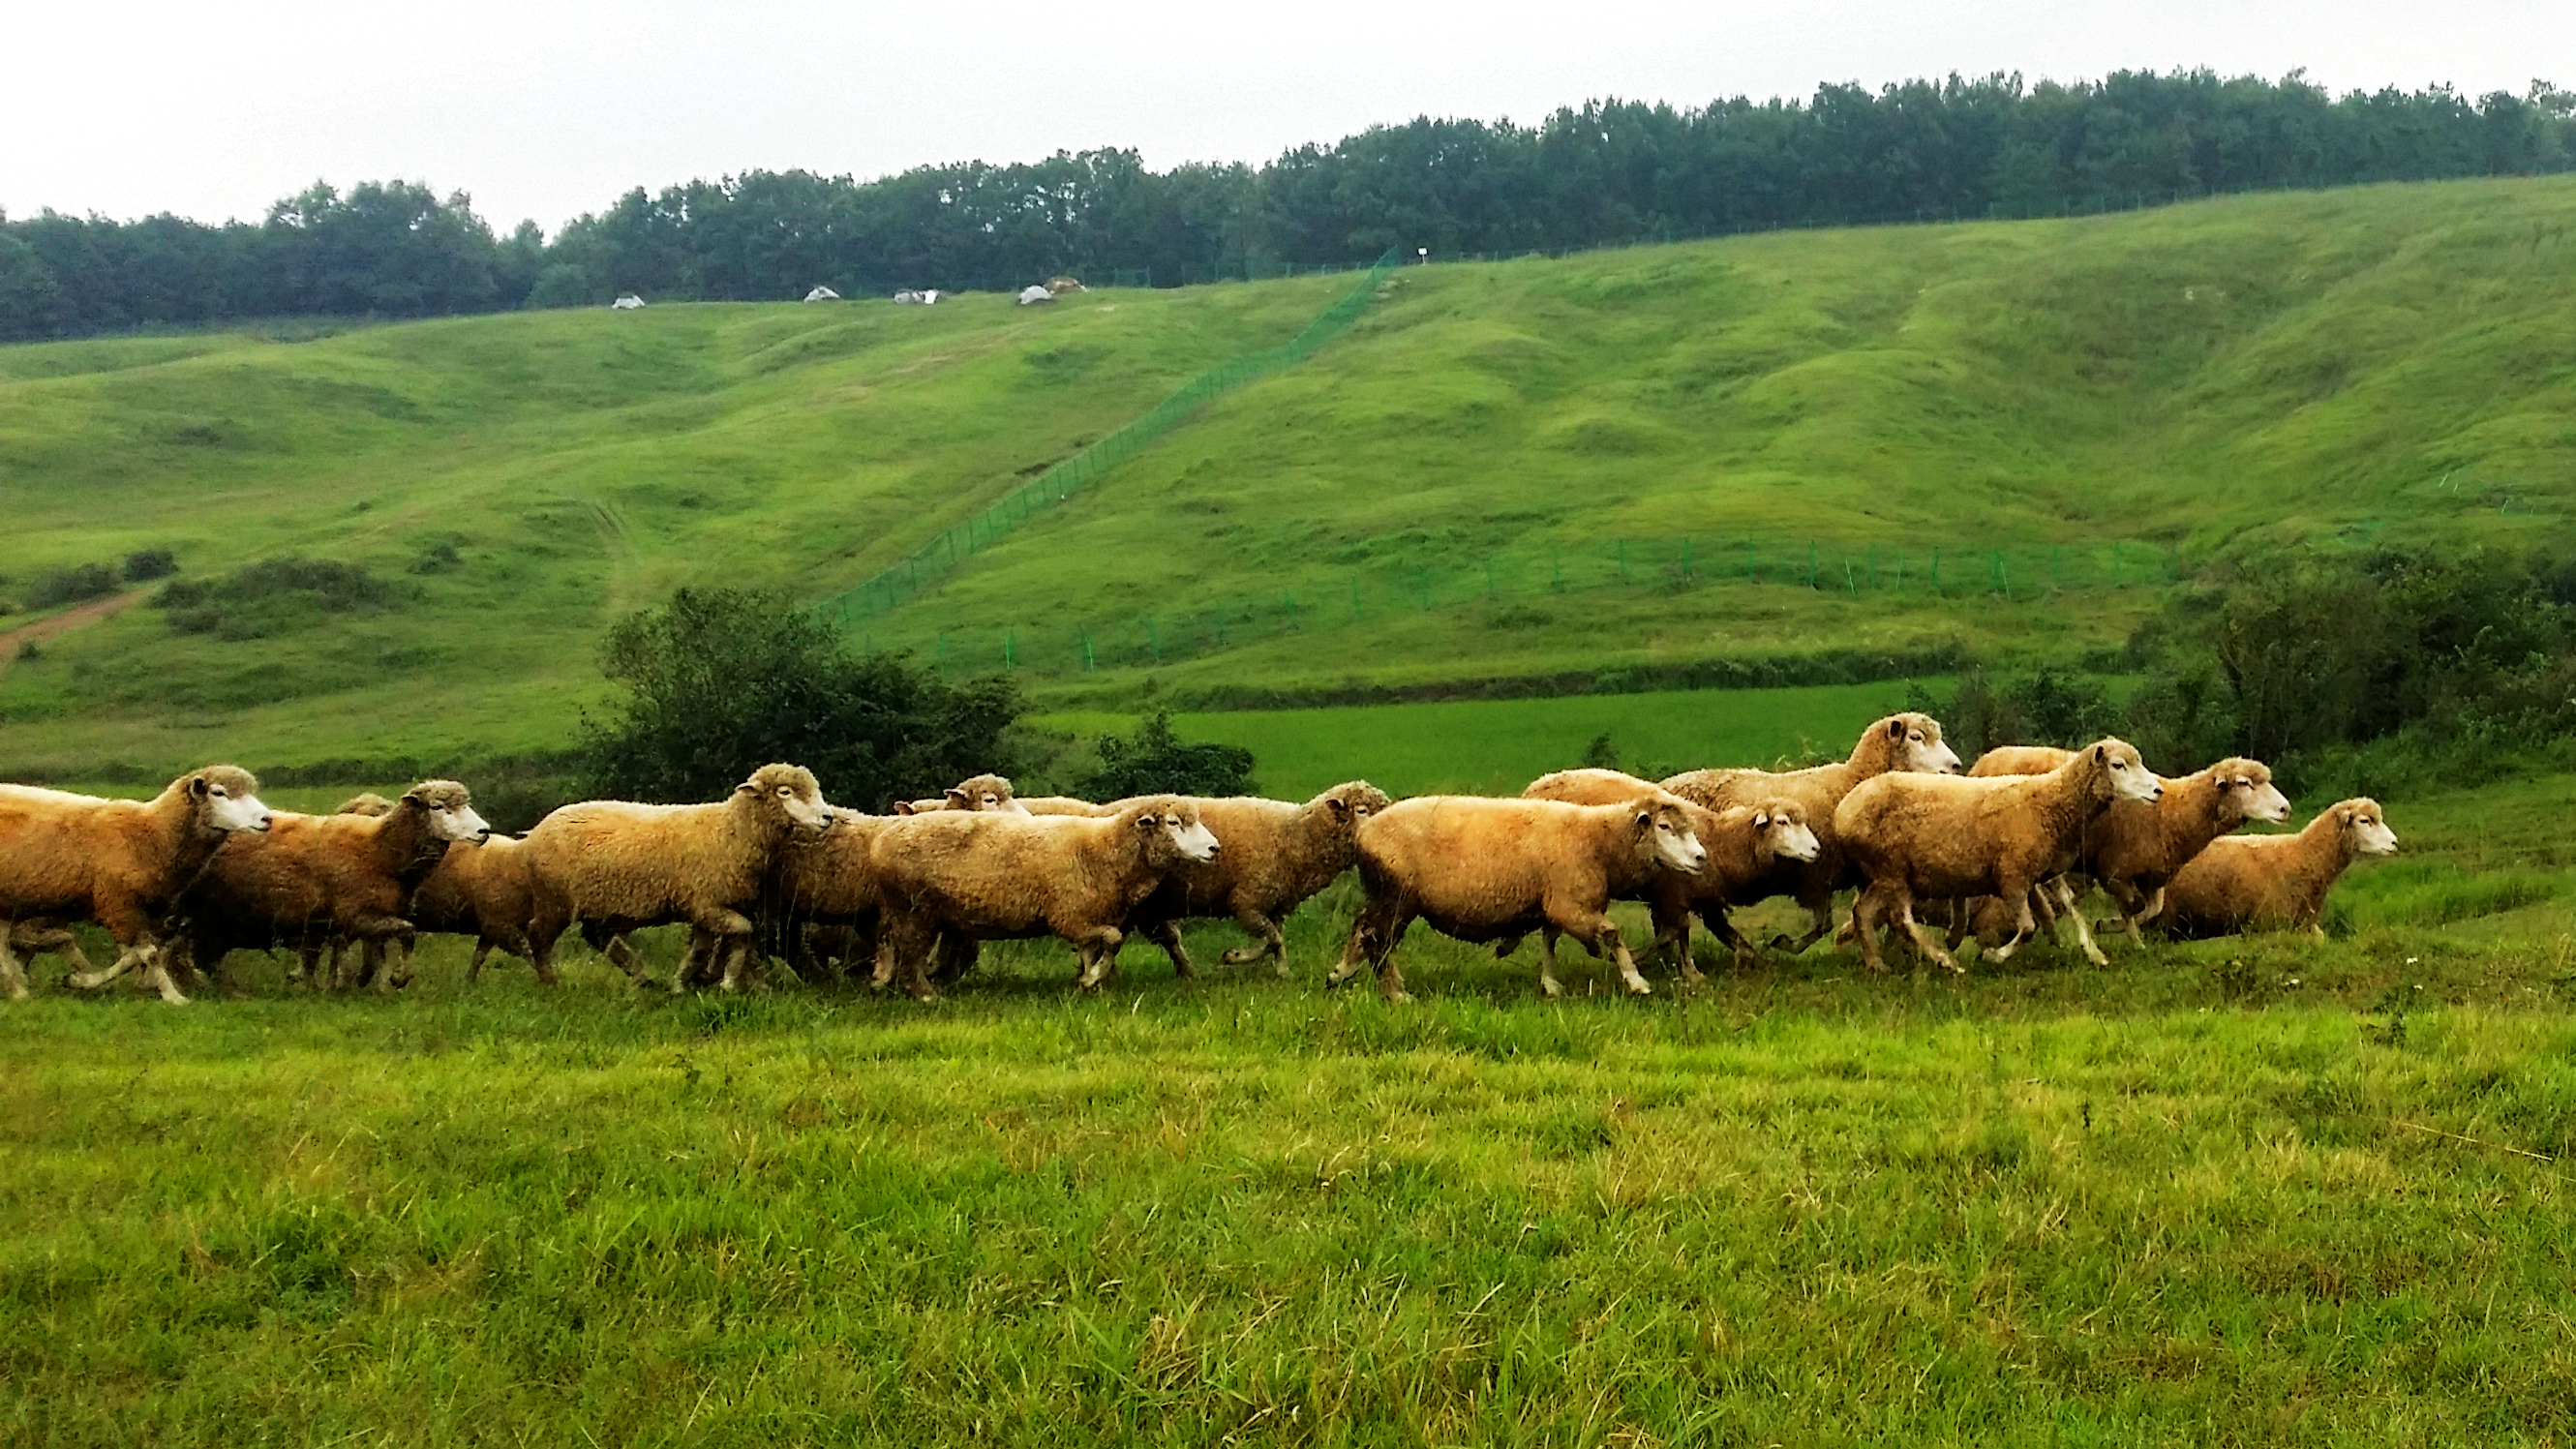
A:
[2236, 1192]
[1400, 511]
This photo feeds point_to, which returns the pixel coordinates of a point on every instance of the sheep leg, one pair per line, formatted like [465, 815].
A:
[735, 951]
[1099, 952]
[1374, 932]
[1548, 985]
[12, 977]
[953, 957]
[156, 974]
[127, 958]
[622, 956]
[1167, 934]
[2024, 927]
[2084, 933]
[1713, 915]
[402, 958]
[1920, 935]
[1607, 938]
[1272, 941]
[1864, 924]
[482, 953]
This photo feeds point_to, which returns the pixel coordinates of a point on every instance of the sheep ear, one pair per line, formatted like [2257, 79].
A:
[1147, 821]
[903, 807]
[745, 788]
[198, 787]
[2102, 753]
[1761, 819]
[958, 798]
[1896, 729]
[1340, 806]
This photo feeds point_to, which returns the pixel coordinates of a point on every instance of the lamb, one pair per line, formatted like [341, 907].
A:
[121, 863]
[483, 890]
[985, 877]
[1899, 742]
[1745, 843]
[615, 867]
[2242, 882]
[2134, 850]
[1931, 836]
[1277, 855]
[1489, 870]
[318, 877]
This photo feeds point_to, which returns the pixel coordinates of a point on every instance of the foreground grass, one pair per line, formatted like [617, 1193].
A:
[2248, 1192]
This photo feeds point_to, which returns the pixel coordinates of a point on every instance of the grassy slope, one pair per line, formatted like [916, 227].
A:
[2173, 1201]
[2287, 366]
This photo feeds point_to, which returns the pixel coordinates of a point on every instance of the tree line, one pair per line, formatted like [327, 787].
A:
[1604, 173]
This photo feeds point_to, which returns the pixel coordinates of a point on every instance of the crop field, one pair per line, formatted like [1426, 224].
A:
[1492, 475]
[2250, 1191]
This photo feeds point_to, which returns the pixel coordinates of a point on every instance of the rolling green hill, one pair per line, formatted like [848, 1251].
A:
[1453, 491]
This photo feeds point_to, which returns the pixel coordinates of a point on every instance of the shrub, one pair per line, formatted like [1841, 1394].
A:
[72, 586]
[1154, 761]
[273, 596]
[2048, 707]
[144, 565]
[719, 682]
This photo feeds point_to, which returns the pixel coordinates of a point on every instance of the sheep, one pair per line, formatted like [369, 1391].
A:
[986, 877]
[1277, 855]
[615, 866]
[975, 792]
[121, 863]
[324, 876]
[1487, 870]
[1745, 842]
[1917, 835]
[2133, 850]
[1064, 805]
[484, 890]
[1906, 742]
[2245, 881]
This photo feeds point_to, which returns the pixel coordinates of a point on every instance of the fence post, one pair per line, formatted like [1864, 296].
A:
[1811, 563]
[1686, 569]
[2003, 581]
[1851, 581]
[1873, 565]
[1355, 597]
[1556, 562]
[1090, 665]
[1489, 576]
[2173, 555]
[1752, 574]
[1010, 650]
[939, 657]
[2055, 579]
[1153, 639]
[1289, 603]
[2115, 563]
[1422, 581]
[1936, 568]
[1623, 560]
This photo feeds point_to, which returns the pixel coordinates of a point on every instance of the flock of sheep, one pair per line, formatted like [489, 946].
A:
[204, 869]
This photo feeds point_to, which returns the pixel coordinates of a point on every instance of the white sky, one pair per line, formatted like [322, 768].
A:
[546, 110]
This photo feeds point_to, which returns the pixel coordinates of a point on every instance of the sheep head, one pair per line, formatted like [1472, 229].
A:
[1780, 831]
[2365, 827]
[789, 794]
[989, 793]
[1354, 802]
[1172, 832]
[367, 803]
[1663, 825]
[2246, 787]
[1918, 744]
[2116, 771]
[227, 799]
[450, 808]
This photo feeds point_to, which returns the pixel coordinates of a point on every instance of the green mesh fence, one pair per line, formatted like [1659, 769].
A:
[907, 578]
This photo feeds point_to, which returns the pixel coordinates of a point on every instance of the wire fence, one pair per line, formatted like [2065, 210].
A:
[1509, 591]
[924, 566]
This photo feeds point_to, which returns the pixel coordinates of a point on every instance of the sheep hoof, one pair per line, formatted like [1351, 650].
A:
[1399, 998]
[85, 980]
[1640, 988]
[1548, 987]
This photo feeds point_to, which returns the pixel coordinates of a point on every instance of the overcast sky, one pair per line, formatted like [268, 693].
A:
[548, 110]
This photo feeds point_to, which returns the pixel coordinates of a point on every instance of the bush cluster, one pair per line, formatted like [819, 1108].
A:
[274, 596]
[1154, 761]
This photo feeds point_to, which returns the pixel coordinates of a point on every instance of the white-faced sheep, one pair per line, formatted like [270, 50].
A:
[1932, 837]
[616, 867]
[121, 863]
[1488, 870]
[1745, 843]
[1900, 742]
[317, 878]
[2242, 882]
[992, 877]
[975, 792]
[1276, 857]
[2135, 848]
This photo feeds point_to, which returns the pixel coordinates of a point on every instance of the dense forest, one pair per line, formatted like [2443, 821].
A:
[1609, 172]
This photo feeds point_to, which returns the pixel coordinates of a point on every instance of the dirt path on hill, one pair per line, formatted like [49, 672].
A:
[69, 619]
